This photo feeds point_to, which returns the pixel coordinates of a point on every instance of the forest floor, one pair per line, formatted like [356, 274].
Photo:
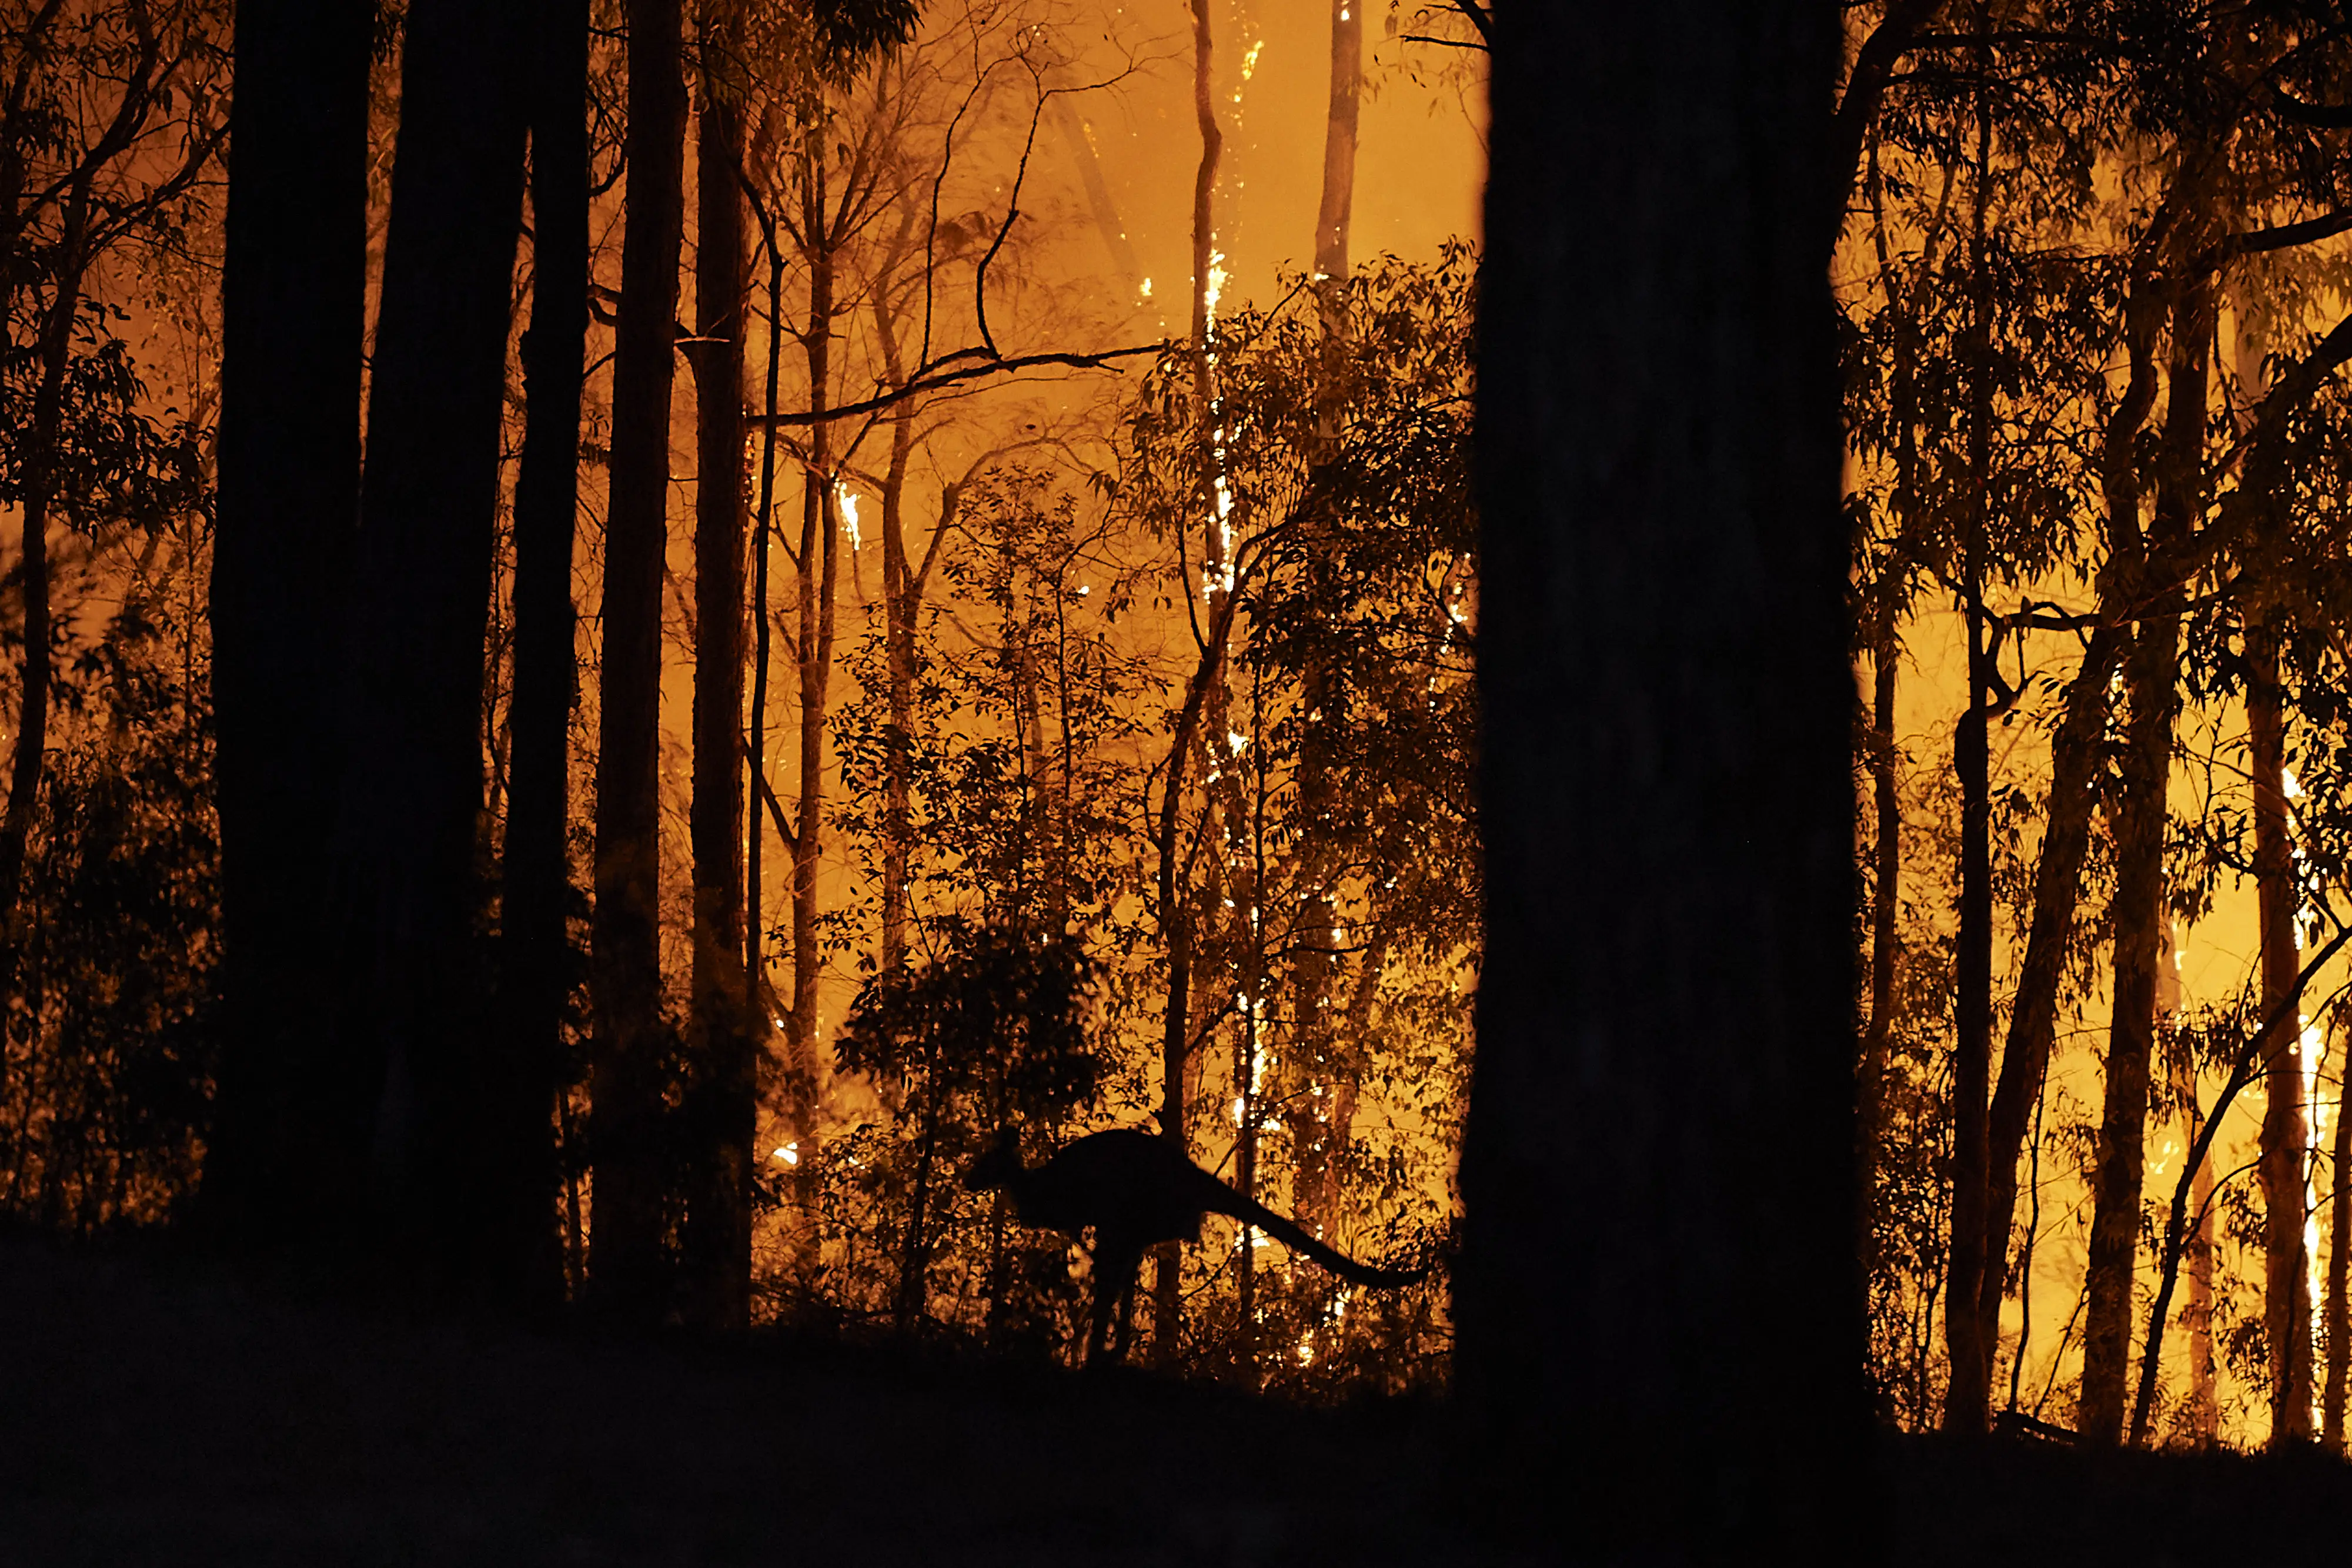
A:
[156, 1413]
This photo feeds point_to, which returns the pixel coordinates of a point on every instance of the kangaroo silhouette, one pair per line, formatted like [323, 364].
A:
[1134, 1190]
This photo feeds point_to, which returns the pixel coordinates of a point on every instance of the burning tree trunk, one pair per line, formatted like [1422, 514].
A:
[725, 1088]
[1888, 868]
[536, 892]
[2151, 677]
[1658, 1158]
[626, 1265]
[2285, 1137]
[410, 826]
[2339, 1317]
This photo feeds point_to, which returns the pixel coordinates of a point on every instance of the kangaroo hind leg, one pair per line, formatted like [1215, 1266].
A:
[1115, 1270]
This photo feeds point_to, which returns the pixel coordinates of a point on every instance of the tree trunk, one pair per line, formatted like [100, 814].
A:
[410, 828]
[2204, 1406]
[755, 916]
[1976, 1260]
[626, 1267]
[2077, 752]
[2151, 675]
[54, 349]
[1666, 717]
[536, 895]
[290, 1132]
[726, 1093]
[2285, 1135]
[1175, 907]
[1869, 1081]
[1315, 1066]
[2339, 1256]
[819, 560]
[901, 607]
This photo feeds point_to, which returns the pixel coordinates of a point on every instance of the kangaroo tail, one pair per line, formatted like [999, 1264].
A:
[1293, 1235]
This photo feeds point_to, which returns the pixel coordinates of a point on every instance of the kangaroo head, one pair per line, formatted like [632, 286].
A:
[998, 1167]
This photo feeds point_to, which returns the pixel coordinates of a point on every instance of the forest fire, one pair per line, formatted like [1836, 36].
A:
[655, 688]
[789, 790]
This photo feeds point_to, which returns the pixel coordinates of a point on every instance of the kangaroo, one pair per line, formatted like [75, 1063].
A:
[1135, 1189]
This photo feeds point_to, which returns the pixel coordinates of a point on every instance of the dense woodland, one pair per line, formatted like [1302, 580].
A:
[623, 657]
[804, 677]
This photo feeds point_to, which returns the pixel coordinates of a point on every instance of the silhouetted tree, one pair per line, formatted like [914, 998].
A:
[1658, 1252]
[415, 969]
[294, 1112]
[626, 1267]
[535, 889]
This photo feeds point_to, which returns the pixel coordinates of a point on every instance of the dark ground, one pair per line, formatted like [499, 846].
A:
[154, 1413]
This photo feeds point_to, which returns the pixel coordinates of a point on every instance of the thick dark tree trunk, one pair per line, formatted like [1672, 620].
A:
[1659, 1249]
[626, 1268]
[2285, 1134]
[410, 822]
[291, 1131]
[726, 1088]
[2151, 685]
[535, 974]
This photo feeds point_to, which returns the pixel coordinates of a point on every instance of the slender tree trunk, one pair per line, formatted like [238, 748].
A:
[819, 558]
[755, 916]
[1976, 1259]
[1315, 1066]
[726, 1093]
[2077, 752]
[2285, 1134]
[410, 828]
[2204, 1406]
[1175, 913]
[537, 892]
[1667, 716]
[54, 348]
[2339, 1255]
[901, 606]
[290, 1132]
[1869, 1081]
[626, 1267]
[2151, 677]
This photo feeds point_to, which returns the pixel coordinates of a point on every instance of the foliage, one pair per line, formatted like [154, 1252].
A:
[109, 1042]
